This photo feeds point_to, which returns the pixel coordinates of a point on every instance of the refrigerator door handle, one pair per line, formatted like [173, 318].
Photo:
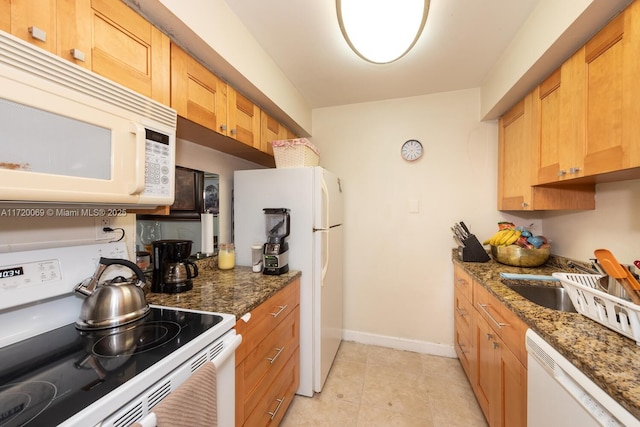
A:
[324, 247]
[324, 194]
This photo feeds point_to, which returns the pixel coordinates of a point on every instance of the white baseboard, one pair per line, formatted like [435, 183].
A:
[400, 343]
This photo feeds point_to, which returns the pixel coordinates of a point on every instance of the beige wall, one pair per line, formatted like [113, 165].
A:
[398, 271]
[614, 225]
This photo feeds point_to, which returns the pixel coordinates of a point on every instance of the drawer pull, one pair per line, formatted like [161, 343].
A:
[461, 312]
[273, 359]
[280, 402]
[38, 34]
[461, 282]
[282, 308]
[499, 324]
[78, 55]
[461, 349]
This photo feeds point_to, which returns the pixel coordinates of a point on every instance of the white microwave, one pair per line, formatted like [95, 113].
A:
[68, 135]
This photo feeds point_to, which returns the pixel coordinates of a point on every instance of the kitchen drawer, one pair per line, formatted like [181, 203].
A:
[463, 282]
[504, 322]
[274, 400]
[463, 343]
[267, 358]
[266, 317]
[462, 308]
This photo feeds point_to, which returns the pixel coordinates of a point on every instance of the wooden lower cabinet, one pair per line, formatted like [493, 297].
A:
[501, 383]
[489, 341]
[268, 360]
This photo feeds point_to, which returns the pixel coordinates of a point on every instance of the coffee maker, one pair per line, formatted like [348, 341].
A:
[276, 250]
[172, 270]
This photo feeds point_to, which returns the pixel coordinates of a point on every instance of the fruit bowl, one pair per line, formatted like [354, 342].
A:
[517, 256]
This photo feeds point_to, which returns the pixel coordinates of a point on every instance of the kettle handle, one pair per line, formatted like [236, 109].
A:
[113, 261]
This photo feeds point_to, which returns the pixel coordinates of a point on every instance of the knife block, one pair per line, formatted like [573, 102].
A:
[472, 251]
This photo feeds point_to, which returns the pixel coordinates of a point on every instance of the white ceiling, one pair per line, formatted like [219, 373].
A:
[461, 42]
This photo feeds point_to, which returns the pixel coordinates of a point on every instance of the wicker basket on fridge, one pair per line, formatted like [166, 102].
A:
[295, 153]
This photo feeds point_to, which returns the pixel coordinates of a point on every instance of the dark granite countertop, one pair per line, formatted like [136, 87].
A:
[609, 359]
[236, 291]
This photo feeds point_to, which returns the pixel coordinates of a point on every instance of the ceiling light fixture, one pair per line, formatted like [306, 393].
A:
[382, 31]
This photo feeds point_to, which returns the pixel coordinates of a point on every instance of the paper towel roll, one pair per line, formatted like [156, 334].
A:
[206, 227]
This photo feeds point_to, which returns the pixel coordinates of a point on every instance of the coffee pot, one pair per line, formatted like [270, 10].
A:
[172, 269]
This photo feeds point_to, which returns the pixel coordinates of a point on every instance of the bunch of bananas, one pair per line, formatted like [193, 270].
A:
[504, 237]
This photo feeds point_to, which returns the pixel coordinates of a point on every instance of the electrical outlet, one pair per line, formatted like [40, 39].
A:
[101, 223]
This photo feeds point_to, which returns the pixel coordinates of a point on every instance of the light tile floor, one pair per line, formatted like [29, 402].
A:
[370, 386]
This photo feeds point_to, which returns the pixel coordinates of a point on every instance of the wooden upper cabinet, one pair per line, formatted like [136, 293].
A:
[272, 130]
[34, 21]
[128, 49]
[196, 93]
[610, 59]
[74, 26]
[559, 102]
[243, 119]
[518, 131]
[58, 26]
[5, 15]
[588, 111]
[515, 157]
[548, 154]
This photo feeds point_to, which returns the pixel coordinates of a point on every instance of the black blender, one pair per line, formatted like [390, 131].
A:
[276, 250]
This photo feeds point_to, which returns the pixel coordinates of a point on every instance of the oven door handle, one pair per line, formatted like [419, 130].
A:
[228, 351]
[150, 420]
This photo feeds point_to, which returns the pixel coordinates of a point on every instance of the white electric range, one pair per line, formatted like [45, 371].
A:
[54, 374]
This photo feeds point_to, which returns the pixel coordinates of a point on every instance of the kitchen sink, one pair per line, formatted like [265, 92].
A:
[555, 297]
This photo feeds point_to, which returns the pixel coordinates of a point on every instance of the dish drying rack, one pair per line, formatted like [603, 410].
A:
[615, 313]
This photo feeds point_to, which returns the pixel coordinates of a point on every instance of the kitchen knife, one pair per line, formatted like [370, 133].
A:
[458, 241]
[461, 232]
[465, 228]
[457, 233]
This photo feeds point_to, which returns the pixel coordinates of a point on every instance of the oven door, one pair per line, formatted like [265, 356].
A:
[221, 353]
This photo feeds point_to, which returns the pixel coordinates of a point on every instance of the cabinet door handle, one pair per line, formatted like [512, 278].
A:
[495, 345]
[78, 55]
[282, 308]
[574, 170]
[461, 348]
[38, 33]
[562, 173]
[461, 282]
[223, 128]
[273, 359]
[233, 131]
[499, 324]
[489, 337]
[280, 402]
[461, 312]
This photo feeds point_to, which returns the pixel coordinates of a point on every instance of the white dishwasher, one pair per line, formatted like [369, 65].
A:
[559, 395]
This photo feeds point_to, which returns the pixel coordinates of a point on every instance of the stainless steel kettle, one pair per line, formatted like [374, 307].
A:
[113, 302]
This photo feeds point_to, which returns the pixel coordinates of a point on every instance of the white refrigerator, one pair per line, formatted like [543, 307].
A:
[314, 197]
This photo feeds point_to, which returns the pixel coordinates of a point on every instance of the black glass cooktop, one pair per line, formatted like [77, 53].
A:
[47, 379]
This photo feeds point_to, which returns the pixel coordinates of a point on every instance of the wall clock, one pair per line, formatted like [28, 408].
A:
[411, 150]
